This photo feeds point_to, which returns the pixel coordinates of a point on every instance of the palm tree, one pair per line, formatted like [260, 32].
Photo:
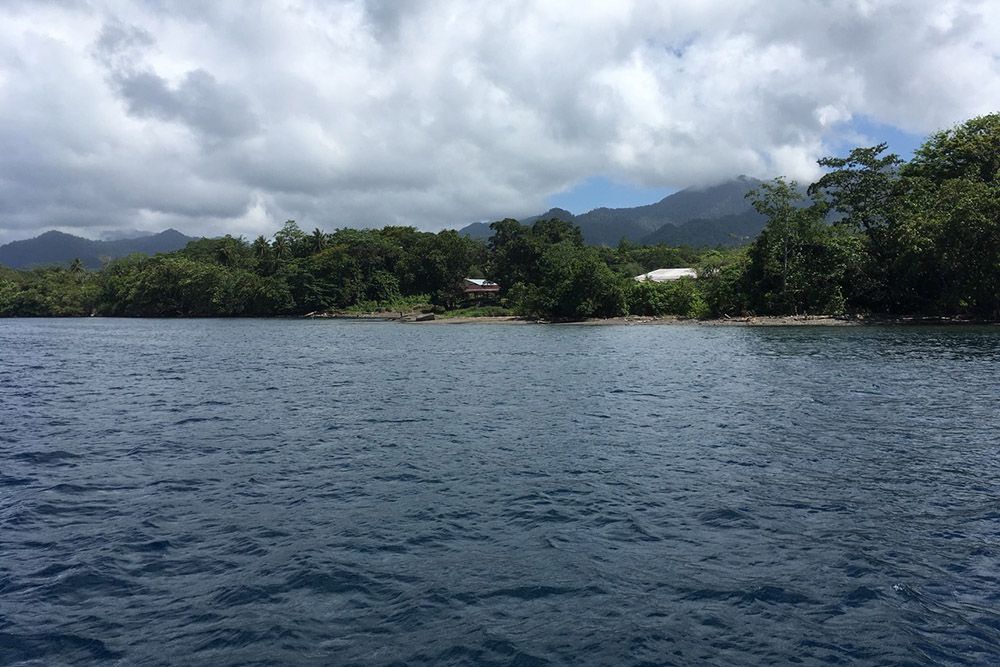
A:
[261, 248]
[282, 250]
[226, 254]
[317, 241]
[76, 269]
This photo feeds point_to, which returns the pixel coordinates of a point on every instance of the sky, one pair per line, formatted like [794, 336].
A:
[230, 117]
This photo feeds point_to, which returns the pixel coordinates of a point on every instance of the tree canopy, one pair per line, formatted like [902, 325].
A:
[874, 234]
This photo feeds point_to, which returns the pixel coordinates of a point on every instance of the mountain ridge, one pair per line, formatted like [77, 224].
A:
[55, 247]
[699, 217]
[707, 216]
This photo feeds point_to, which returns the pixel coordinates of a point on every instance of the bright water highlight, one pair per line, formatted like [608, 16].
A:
[276, 492]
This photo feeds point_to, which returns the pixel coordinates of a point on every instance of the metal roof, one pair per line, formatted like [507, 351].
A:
[664, 275]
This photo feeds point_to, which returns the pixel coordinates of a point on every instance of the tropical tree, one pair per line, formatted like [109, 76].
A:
[261, 249]
[797, 264]
[566, 280]
[282, 248]
[722, 282]
[970, 151]
[317, 241]
[777, 202]
[861, 187]
[435, 264]
[867, 194]
[228, 252]
[293, 240]
[948, 250]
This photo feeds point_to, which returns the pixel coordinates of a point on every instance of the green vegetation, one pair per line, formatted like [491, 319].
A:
[873, 235]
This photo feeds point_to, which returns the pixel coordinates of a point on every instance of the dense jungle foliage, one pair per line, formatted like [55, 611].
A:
[874, 235]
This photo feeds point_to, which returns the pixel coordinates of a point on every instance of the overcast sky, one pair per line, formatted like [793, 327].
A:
[233, 116]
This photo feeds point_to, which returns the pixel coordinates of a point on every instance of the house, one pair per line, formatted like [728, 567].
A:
[666, 275]
[479, 289]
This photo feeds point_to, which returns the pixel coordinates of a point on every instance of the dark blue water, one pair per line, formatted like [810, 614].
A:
[211, 492]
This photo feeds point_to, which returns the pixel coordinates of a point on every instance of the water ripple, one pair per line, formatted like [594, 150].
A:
[226, 492]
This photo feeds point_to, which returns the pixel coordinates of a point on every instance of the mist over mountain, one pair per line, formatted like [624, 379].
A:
[121, 234]
[716, 215]
[60, 248]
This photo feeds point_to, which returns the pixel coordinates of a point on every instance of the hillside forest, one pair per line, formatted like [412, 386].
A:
[874, 235]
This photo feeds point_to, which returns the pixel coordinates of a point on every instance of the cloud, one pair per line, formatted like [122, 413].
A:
[225, 117]
[198, 102]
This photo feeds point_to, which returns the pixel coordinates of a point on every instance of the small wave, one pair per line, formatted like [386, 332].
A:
[528, 592]
[177, 485]
[6, 480]
[384, 420]
[57, 457]
[766, 594]
[71, 509]
[708, 594]
[16, 648]
[408, 477]
[748, 464]
[156, 546]
[87, 583]
[333, 581]
[199, 420]
[71, 489]
[242, 595]
[491, 652]
[775, 595]
[228, 638]
[861, 595]
[727, 518]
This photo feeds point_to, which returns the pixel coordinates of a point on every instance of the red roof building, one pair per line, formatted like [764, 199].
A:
[478, 289]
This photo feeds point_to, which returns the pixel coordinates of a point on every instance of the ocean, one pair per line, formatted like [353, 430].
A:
[322, 492]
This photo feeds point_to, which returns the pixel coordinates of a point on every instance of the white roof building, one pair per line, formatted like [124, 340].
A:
[481, 282]
[665, 275]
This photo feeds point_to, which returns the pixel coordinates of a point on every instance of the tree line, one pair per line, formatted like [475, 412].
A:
[874, 235]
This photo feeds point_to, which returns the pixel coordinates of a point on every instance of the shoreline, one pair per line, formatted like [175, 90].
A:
[747, 321]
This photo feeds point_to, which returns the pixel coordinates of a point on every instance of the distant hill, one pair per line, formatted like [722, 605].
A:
[557, 213]
[477, 230]
[481, 230]
[60, 248]
[716, 215]
[736, 229]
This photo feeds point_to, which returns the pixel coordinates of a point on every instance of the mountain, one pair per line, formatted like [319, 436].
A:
[119, 234]
[477, 230]
[60, 248]
[481, 230]
[709, 216]
[557, 213]
[735, 229]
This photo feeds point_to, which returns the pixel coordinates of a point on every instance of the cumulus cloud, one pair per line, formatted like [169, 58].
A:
[229, 117]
